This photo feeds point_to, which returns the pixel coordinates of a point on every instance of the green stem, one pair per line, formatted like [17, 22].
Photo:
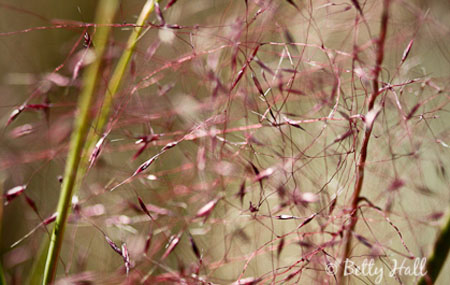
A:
[113, 86]
[105, 14]
[111, 91]
[440, 252]
[119, 71]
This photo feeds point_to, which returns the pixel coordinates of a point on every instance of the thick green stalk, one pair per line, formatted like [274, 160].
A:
[113, 86]
[105, 14]
[119, 71]
[440, 252]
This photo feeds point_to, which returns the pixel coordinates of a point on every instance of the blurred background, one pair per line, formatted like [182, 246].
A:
[236, 82]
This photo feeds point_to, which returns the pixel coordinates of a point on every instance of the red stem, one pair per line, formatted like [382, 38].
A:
[365, 144]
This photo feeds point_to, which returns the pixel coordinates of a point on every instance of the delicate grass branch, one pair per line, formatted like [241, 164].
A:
[372, 113]
[105, 13]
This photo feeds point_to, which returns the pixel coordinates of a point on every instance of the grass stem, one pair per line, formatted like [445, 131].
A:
[372, 110]
[118, 74]
[437, 258]
[105, 14]
[113, 87]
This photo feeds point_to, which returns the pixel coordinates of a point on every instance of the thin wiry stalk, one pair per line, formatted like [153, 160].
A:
[371, 111]
[437, 258]
[105, 14]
